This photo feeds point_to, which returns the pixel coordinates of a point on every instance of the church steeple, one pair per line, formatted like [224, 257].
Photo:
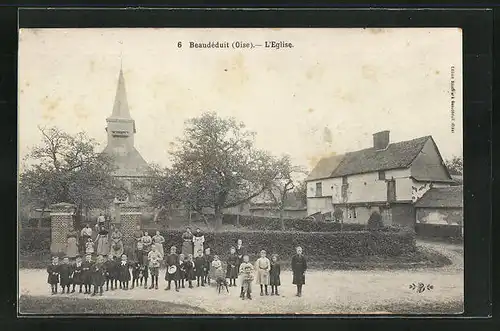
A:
[120, 107]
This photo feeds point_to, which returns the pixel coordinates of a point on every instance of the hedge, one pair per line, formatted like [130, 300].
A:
[331, 245]
[268, 223]
[34, 240]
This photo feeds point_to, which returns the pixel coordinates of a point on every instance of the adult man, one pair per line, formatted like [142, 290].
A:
[101, 220]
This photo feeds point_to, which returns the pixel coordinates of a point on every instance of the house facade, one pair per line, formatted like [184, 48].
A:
[387, 177]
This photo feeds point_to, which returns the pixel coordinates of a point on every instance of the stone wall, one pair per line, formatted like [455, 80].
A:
[130, 217]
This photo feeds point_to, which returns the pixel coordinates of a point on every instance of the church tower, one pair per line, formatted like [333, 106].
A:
[121, 130]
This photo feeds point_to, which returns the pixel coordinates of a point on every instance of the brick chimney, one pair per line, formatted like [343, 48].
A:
[381, 140]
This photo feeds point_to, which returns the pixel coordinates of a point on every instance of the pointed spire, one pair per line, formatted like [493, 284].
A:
[120, 108]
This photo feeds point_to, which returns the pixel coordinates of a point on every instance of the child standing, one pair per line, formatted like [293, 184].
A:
[124, 272]
[208, 262]
[87, 273]
[246, 271]
[217, 268]
[66, 274]
[98, 276]
[110, 266]
[274, 274]
[154, 258]
[232, 263]
[172, 273]
[53, 274]
[299, 267]
[77, 274]
[199, 268]
[182, 270]
[89, 247]
[189, 268]
[263, 266]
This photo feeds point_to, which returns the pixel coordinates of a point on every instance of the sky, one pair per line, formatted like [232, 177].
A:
[326, 95]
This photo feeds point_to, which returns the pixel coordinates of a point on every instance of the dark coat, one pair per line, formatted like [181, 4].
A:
[208, 262]
[172, 259]
[66, 274]
[274, 274]
[232, 266]
[78, 274]
[240, 252]
[87, 272]
[299, 266]
[199, 265]
[111, 269]
[123, 272]
[98, 274]
[189, 270]
[53, 274]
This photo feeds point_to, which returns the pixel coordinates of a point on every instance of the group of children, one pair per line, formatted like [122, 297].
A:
[110, 273]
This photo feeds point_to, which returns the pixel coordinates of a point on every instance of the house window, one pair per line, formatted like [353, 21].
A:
[351, 213]
[391, 190]
[381, 175]
[319, 189]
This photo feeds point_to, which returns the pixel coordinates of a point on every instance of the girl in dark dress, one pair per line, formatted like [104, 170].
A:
[87, 273]
[98, 276]
[53, 274]
[78, 274]
[232, 267]
[208, 262]
[199, 266]
[124, 272]
[66, 274]
[274, 274]
[299, 267]
[172, 274]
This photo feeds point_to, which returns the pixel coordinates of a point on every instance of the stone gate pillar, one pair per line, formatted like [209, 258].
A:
[61, 221]
[130, 217]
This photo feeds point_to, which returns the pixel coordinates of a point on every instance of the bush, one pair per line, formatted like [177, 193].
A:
[375, 221]
[451, 232]
[34, 240]
[330, 245]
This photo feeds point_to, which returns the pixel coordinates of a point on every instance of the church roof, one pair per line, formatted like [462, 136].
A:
[129, 164]
[120, 108]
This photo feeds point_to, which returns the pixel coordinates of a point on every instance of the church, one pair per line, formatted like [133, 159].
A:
[131, 168]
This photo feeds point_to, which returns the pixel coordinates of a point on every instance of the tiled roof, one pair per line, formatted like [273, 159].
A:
[442, 197]
[130, 164]
[395, 156]
[325, 167]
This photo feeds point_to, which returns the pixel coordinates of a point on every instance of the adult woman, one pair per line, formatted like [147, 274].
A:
[187, 244]
[72, 244]
[158, 241]
[198, 240]
[147, 241]
[85, 234]
[102, 242]
[116, 243]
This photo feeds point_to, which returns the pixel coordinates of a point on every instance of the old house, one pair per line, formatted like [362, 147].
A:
[440, 212]
[387, 177]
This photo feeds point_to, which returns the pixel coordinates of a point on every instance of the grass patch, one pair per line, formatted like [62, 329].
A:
[452, 307]
[61, 305]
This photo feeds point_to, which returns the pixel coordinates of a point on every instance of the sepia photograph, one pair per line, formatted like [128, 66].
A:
[175, 171]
